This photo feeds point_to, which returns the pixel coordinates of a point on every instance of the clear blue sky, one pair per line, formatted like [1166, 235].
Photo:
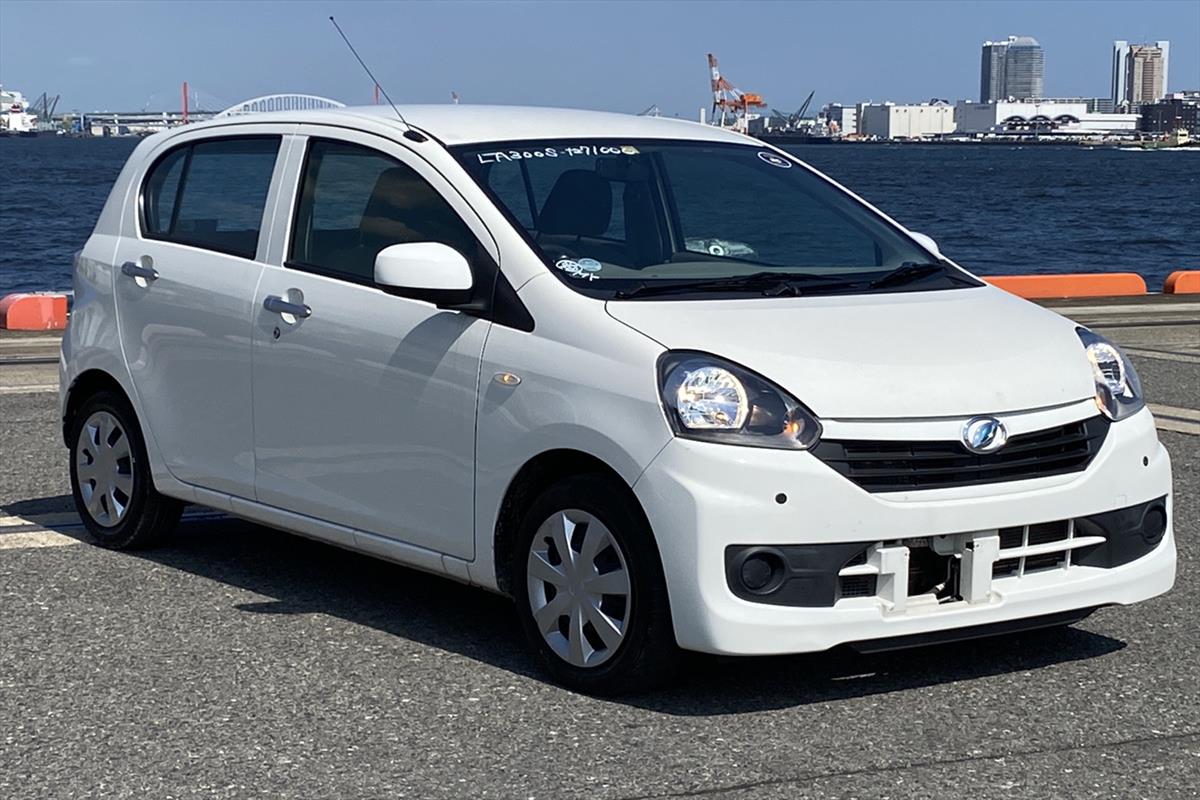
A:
[616, 55]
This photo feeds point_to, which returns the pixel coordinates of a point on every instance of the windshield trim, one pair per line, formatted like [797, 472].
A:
[861, 278]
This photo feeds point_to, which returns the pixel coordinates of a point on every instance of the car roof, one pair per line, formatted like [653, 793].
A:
[473, 124]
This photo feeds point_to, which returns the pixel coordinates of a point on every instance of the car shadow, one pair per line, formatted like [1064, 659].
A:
[308, 577]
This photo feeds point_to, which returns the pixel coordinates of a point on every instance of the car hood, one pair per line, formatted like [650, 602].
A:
[902, 355]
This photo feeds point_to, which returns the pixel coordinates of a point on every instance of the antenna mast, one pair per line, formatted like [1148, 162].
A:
[410, 132]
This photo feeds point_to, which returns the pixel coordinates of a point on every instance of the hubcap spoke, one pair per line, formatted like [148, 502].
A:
[615, 582]
[547, 616]
[604, 625]
[595, 605]
[562, 543]
[543, 570]
[579, 645]
[595, 539]
[123, 483]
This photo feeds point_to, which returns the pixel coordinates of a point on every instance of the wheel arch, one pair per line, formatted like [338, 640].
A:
[85, 385]
[535, 476]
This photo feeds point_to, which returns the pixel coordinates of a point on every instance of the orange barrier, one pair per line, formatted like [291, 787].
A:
[1093, 284]
[1184, 281]
[33, 312]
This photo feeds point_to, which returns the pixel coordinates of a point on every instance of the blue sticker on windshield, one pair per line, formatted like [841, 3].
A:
[589, 264]
[774, 159]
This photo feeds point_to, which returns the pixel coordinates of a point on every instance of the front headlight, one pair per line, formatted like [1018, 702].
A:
[714, 400]
[1118, 389]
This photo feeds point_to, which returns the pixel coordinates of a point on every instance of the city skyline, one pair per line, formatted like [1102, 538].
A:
[543, 54]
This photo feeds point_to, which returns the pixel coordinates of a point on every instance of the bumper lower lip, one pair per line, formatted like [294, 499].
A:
[702, 498]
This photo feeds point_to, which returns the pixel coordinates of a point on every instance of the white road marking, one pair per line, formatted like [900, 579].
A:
[43, 520]
[21, 342]
[1175, 411]
[1134, 308]
[63, 528]
[33, 388]
[1174, 418]
[35, 538]
[1160, 355]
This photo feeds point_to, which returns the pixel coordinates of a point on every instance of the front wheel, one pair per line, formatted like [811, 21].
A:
[110, 477]
[590, 590]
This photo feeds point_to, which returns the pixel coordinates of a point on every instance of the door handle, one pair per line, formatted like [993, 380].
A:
[134, 270]
[277, 305]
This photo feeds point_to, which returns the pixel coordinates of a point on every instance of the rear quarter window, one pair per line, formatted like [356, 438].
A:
[211, 194]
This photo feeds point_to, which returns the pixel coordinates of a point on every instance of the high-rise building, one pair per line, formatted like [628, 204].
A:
[1013, 68]
[1139, 73]
[991, 72]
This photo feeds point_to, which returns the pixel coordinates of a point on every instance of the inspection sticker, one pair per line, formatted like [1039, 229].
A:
[774, 159]
[583, 268]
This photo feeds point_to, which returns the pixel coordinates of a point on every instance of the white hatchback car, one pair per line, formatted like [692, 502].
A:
[664, 385]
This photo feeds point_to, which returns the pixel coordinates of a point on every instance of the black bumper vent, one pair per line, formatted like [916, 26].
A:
[882, 466]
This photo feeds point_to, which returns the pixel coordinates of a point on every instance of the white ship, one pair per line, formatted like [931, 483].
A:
[15, 119]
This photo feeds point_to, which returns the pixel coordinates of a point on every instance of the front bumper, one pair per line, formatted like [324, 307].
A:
[703, 498]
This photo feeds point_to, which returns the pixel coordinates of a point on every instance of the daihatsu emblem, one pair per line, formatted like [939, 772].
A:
[984, 435]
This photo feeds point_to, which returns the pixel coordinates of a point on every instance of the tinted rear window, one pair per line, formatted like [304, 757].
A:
[211, 194]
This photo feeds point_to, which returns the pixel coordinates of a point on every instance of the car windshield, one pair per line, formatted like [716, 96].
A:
[624, 219]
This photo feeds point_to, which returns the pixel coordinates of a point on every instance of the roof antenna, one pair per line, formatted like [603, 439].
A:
[410, 133]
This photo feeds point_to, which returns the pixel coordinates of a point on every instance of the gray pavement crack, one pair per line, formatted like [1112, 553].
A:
[910, 765]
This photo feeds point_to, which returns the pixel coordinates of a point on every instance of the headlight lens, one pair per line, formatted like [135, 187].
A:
[714, 400]
[1118, 389]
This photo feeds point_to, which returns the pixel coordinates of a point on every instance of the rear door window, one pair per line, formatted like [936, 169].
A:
[211, 194]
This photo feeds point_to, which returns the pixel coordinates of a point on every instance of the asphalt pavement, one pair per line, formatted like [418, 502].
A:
[239, 661]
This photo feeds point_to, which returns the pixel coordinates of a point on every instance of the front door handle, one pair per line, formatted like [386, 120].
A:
[277, 305]
[135, 270]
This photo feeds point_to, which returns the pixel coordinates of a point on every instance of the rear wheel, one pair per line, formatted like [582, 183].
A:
[590, 590]
[110, 477]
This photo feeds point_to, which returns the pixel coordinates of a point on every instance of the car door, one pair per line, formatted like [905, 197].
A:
[184, 279]
[364, 401]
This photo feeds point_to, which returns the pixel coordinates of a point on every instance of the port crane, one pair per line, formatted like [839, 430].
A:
[730, 100]
[794, 120]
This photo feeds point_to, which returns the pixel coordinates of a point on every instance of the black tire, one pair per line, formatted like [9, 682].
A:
[148, 517]
[647, 652]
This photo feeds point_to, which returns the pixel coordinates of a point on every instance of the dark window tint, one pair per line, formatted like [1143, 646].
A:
[807, 226]
[355, 201]
[580, 206]
[162, 191]
[222, 197]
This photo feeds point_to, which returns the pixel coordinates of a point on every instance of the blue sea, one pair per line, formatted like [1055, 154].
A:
[995, 209]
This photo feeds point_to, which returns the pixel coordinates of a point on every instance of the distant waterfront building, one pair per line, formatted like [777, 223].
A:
[1177, 110]
[846, 118]
[1008, 117]
[1095, 105]
[1139, 73]
[893, 121]
[1015, 68]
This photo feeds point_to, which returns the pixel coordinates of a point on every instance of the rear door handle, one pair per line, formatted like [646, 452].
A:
[138, 271]
[277, 305]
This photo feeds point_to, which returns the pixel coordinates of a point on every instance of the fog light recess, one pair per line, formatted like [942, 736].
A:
[762, 571]
[1154, 523]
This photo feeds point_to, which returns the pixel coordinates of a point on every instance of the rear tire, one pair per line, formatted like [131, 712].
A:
[598, 616]
[110, 477]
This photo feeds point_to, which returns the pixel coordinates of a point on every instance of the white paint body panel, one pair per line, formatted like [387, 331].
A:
[375, 424]
[893, 356]
[422, 265]
[722, 498]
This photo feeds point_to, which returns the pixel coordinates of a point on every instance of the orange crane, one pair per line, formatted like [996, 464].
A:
[730, 99]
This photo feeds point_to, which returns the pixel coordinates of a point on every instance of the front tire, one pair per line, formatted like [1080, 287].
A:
[110, 477]
[590, 591]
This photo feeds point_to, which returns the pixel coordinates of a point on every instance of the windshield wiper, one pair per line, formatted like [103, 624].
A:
[769, 284]
[908, 272]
